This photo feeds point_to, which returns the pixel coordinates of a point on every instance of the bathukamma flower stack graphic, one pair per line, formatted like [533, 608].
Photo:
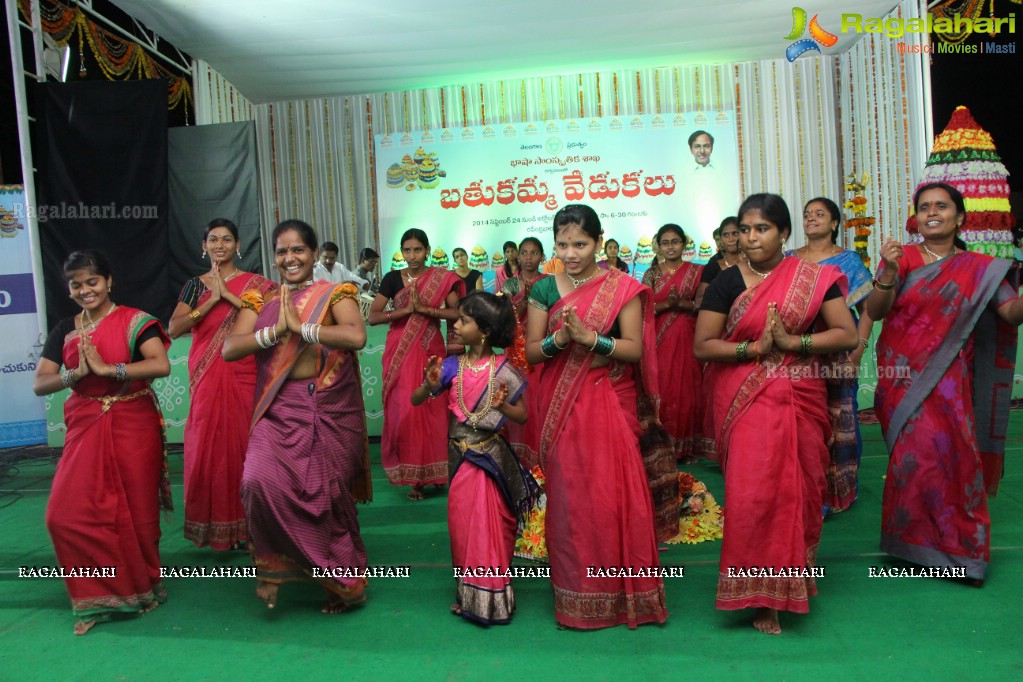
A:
[965, 157]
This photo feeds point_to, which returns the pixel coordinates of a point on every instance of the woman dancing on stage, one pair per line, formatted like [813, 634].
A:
[413, 449]
[674, 284]
[111, 480]
[945, 360]
[307, 463]
[821, 220]
[220, 410]
[593, 330]
[769, 410]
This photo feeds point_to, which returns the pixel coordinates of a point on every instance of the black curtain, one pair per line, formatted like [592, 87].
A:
[101, 182]
[212, 174]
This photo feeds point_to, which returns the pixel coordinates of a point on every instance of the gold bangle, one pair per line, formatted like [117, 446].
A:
[195, 315]
[881, 286]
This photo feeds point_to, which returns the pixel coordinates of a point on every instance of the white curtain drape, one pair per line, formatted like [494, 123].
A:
[216, 100]
[802, 127]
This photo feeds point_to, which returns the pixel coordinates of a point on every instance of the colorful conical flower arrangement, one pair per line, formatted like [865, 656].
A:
[965, 157]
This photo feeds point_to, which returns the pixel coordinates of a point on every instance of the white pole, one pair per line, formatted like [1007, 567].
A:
[25, 145]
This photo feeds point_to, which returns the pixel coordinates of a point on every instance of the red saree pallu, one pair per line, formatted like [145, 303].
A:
[489, 492]
[602, 517]
[307, 453]
[217, 431]
[945, 367]
[773, 426]
[523, 437]
[680, 373]
[413, 447]
[104, 508]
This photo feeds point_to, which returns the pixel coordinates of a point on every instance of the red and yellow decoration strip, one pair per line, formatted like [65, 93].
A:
[118, 58]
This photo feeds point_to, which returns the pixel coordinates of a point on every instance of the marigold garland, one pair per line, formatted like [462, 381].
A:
[700, 517]
[860, 223]
[531, 542]
[118, 59]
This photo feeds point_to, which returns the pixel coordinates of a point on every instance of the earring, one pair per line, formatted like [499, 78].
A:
[238, 253]
[110, 287]
[203, 255]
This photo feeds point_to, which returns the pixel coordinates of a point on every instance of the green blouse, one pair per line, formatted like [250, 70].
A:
[545, 294]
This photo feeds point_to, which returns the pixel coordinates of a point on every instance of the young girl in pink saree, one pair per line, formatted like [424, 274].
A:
[489, 489]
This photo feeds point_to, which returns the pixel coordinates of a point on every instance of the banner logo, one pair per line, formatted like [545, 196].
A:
[819, 37]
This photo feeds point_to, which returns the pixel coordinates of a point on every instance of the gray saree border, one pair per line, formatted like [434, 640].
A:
[934, 369]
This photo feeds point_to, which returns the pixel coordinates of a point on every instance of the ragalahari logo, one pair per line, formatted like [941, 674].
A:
[818, 36]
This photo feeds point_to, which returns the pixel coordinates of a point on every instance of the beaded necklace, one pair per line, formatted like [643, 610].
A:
[474, 418]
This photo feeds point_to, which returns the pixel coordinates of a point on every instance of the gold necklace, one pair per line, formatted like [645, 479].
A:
[576, 283]
[935, 256]
[298, 285]
[94, 323]
[475, 369]
[762, 275]
[474, 418]
[727, 264]
[670, 272]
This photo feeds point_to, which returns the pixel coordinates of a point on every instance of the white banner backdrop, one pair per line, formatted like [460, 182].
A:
[477, 187]
[22, 417]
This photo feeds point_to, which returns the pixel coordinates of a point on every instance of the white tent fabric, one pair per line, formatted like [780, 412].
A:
[804, 127]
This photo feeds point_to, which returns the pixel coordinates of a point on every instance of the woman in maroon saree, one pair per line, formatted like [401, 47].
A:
[217, 431]
[414, 449]
[609, 499]
[111, 481]
[674, 284]
[307, 461]
[769, 407]
[945, 359]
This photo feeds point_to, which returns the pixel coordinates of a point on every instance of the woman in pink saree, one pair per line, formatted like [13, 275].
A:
[674, 284]
[414, 447]
[220, 410]
[609, 499]
[522, 437]
[946, 359]
[111, 482]
[765, 325]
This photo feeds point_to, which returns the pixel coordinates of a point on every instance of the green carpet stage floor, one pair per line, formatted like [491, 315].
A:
[858, 628]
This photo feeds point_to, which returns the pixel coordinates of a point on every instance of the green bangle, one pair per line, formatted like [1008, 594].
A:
[805, 343]
[740, 350]
[603, 345]
[549, 346]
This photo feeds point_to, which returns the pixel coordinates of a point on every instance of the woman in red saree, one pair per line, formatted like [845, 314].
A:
[414, 449]
[111, 481]
[674, 284]
[945, 360]
[489, 488]
[217, 431]
[770, 412]
[523, 436]
[609, 499]
[307, 461]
